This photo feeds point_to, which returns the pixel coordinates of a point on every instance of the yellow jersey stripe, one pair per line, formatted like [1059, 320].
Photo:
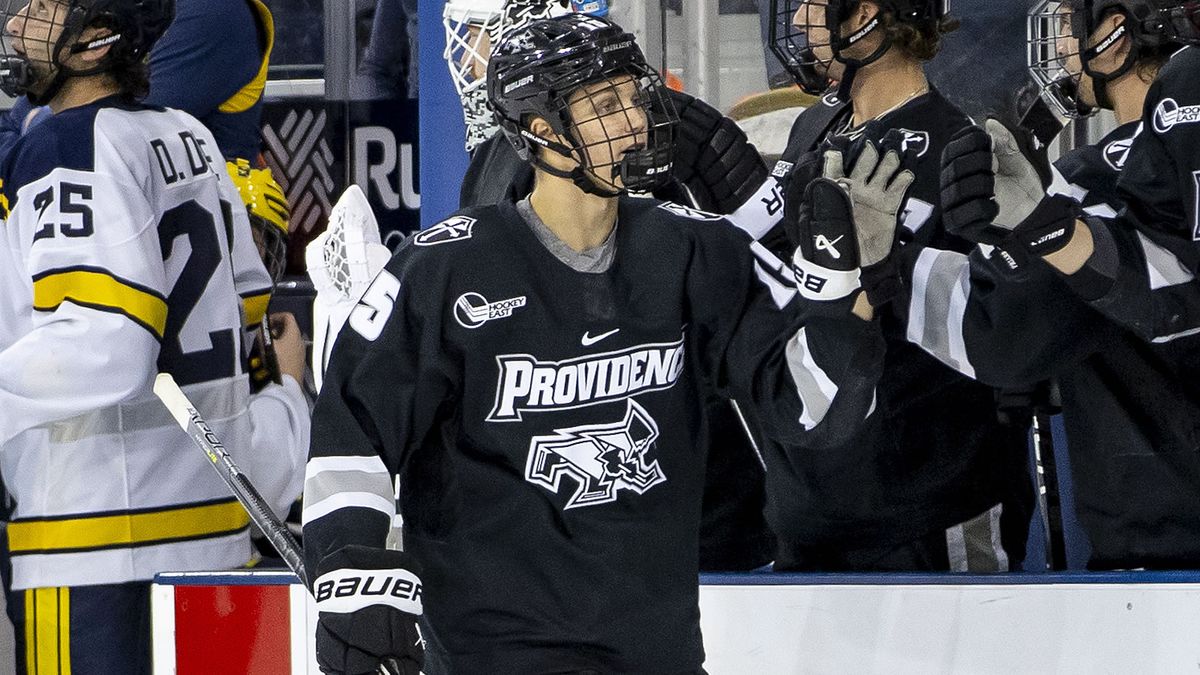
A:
[48, 631]
[64, 630]
[250, 94]
[255, 307]
[127, 529]
[31, 631]
[99, 289]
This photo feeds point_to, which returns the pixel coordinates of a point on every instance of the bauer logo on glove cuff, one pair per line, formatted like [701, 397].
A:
[823, 284]
[348, 590]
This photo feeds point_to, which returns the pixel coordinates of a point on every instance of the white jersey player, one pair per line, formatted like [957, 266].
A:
[124, 251]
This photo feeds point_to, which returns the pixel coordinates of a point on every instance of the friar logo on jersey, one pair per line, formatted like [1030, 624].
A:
[689, 212]
[457, 228]
[916, 141]
[525, 384]
[472, 310]
[602, 459]
[1169, 114]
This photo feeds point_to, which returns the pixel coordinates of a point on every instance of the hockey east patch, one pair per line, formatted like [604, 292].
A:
[601, 459]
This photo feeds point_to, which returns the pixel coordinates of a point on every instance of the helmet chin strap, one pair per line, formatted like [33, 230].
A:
[852, 66]
[578, 175]
[1100, 81]
[62, 72]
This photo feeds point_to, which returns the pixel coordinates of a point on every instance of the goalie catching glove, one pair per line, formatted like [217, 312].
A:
[369, 601]
[845, 226]
[999, 189]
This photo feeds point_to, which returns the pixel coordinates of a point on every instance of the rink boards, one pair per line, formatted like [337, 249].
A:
[261, 623]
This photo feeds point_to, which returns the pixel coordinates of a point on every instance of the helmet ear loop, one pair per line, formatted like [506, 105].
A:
[1101, 80]
[852, 65]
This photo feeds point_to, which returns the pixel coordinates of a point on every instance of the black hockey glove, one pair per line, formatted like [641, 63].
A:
[369, 601]
[847, 227]
[849, 222]
[998, 189]
[713, 157]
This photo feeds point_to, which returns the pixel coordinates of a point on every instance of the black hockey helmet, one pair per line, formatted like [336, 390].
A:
[792, 46]
[538, 69]
[1061, 29]
[54, 26]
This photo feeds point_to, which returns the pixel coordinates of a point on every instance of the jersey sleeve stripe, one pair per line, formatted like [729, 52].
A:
[815, 387]
[143, 528]
[100, 289]
[319, 487]
[941, 285]
[254, 305]
[345, 500]
[365, 464]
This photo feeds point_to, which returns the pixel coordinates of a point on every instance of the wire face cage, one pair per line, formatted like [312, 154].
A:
[621, 128]
[1055, 56]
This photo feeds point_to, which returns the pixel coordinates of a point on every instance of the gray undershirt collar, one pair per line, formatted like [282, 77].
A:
[592, 261]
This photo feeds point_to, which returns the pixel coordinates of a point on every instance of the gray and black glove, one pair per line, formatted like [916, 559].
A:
[846, 227]
[998, 190]
[369, 601]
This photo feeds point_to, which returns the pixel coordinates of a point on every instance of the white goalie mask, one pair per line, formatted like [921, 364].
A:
[472, 27]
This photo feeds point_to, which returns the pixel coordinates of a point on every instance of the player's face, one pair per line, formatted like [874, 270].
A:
[609, 121]
[32, 32]
[810, 20]
[1067, 46]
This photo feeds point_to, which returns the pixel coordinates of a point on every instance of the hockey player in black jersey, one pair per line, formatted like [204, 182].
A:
[1104, 260]
[1129, 405]
[946, 487]
[714, 168]
[531, 372]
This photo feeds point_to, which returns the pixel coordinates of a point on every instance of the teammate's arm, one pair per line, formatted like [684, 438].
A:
[387, 381]
[183, 61]
[1108, 263]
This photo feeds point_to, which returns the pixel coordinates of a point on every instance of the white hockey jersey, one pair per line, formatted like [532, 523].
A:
[123, 252]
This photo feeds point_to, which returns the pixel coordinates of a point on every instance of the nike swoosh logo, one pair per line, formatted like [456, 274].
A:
[588, 340]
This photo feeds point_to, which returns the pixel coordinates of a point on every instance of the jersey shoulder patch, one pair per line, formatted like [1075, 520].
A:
[689, 212]
[453, 229]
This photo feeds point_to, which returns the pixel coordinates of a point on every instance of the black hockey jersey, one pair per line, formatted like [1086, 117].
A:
[733, 529]
[939, 454]
[1160, 184]
[543, 423]
[1130, 407]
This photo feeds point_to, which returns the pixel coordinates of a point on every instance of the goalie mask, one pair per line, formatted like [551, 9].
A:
[587, 78]
[472, 28]
[1067, 36]
[269, 214]
[806, 36]
[44, 39]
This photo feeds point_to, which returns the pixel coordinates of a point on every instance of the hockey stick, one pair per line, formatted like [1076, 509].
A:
[1047, 492]
[193, 425]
